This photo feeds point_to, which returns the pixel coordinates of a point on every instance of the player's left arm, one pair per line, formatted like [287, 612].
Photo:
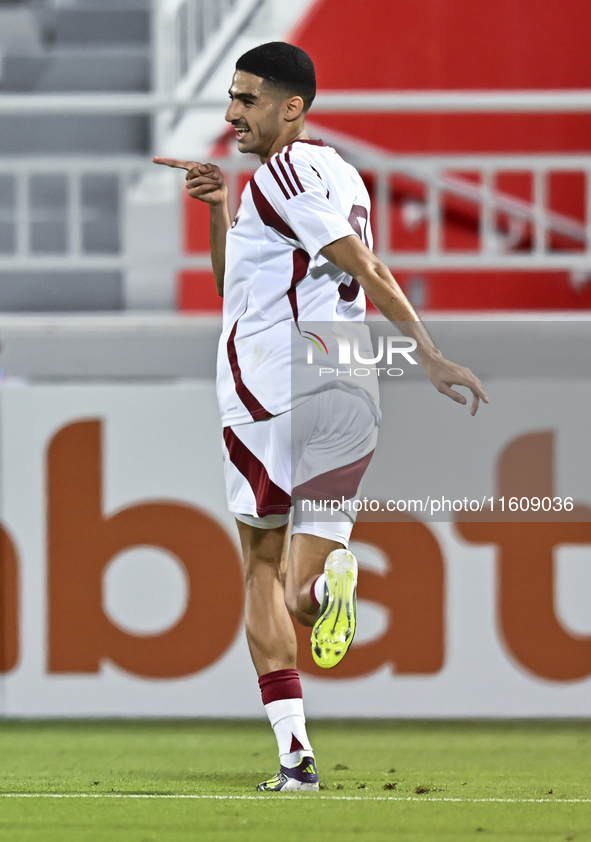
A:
[354, 258]
[206, 183]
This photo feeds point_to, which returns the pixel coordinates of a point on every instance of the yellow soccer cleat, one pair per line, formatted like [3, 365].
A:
[300, 778]
[335, 624]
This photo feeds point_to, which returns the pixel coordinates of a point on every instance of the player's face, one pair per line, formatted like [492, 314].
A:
[256, 114]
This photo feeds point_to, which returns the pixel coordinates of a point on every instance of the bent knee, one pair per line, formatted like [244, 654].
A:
[302, 617]
[291, 603]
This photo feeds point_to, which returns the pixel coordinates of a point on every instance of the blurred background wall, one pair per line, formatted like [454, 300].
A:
[481, 201]
[472, 128]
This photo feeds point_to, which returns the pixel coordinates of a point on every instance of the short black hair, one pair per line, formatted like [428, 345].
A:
[284, 66]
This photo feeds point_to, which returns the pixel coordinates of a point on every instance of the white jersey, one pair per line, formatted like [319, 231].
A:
[302, 199]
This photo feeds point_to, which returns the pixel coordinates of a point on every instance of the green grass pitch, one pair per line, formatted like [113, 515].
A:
[383, 780]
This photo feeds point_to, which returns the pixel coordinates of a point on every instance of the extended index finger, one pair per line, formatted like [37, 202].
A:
[174, 162]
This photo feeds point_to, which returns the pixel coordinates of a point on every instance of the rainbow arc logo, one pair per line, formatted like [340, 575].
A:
[316, 340]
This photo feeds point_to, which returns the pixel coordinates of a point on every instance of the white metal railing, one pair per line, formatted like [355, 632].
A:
[191, 37]
[427, 102]
[23, 214]
[437, 102]
[437, 176]
[440, 176]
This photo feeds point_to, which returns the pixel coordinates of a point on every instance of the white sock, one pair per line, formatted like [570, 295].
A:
[289, 724]
[319, 588]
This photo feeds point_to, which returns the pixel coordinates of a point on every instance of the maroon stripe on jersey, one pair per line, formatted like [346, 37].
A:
[320, 177]
[267, 212]
[278, 180]
[256, 409]
[270, 499]
[349, 293]
[286, 177]
[359, 212]
[301, 260]
[293, 170]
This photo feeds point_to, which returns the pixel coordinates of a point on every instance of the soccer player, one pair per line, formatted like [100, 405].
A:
[298, 251]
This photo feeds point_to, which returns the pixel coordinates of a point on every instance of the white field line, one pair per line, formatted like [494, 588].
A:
[292, 797]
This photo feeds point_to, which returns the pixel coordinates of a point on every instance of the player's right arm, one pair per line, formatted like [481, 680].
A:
[206, 183]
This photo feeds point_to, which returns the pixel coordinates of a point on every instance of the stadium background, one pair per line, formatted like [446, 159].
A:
[121, 586]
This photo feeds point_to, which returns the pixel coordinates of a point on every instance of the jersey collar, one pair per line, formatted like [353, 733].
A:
[313, 142]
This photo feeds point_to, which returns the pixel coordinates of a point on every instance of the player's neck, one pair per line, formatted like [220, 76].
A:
[284, 140]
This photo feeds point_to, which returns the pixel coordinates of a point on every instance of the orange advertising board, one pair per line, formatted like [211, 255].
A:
[120, 576]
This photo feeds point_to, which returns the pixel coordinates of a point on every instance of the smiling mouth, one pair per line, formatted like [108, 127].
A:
[241, 131]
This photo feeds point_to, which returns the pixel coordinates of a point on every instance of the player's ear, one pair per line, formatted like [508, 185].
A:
[293, 108]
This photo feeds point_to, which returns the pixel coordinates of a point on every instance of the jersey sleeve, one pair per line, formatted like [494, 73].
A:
[301, 198]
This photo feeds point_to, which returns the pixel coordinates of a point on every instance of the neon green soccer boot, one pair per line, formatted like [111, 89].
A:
[335, 624]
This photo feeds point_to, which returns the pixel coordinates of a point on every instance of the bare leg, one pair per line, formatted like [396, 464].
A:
[272, 643]
[269, 630]
[307, 555]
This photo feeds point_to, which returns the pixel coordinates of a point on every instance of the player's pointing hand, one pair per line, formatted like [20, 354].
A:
[174, 162]
[203, 181]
